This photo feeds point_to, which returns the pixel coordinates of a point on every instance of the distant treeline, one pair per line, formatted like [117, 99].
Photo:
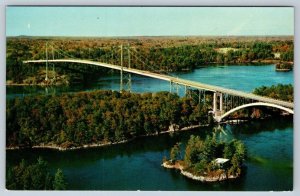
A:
[96, 117]
[281, 91]
[148, 54]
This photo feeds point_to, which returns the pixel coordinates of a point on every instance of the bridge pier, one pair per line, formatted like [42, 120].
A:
[221, 102]
[217, 105]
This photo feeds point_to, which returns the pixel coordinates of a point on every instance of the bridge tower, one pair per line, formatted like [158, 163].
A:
[125, 78]
[46, 78]
[129, 66]
[121, 72]
[53, 64]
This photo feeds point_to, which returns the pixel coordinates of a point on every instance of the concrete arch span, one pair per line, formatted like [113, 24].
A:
[251, 105]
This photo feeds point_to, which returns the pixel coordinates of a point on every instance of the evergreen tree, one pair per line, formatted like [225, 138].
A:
[34, 176]
[59, 181]
[175, 152]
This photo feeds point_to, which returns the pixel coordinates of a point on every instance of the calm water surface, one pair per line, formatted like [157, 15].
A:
[244, 78]
[136, 165]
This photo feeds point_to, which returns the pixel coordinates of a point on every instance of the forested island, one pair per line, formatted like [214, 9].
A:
[208, 160]
[158, 54]
[97, 118]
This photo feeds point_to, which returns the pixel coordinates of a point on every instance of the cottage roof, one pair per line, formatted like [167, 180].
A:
[221, 160]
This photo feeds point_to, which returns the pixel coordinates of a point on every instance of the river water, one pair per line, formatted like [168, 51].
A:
[136, 165]
[244, 78]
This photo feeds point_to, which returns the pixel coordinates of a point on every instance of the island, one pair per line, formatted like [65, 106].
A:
[208, 160]
[99, 118]
[284, 66]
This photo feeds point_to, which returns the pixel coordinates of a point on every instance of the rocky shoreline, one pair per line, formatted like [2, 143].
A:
[221, 177]
[102, 144]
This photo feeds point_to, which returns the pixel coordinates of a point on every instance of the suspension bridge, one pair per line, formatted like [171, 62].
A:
[224, 101]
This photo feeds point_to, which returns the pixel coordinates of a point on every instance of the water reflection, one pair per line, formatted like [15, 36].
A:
[98, 166]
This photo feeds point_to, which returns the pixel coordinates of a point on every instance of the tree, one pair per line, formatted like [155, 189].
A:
[175, 152]
[35, 176]
[194, 150]
[59, 180]
[228, 151]
[209, 149]
[240, 151]
[235, 168]
[201, 166]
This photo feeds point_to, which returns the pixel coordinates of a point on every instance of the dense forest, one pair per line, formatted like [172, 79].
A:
[161, 54]
[34, 176]
[96, 117]
[107, 116]
[200, 155]
[281, 91]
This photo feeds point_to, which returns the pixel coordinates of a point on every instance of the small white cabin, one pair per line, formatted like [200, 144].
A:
[221, 162]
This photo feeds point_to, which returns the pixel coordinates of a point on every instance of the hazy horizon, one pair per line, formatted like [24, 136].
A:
[148, 21]
[155, 36]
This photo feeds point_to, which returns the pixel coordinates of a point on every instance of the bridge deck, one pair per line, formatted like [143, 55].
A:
[184, 82]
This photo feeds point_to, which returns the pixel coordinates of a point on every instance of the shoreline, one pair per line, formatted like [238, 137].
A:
[283, 70]
[24, 84]
[221, 177]
[103, 144]
[96, 145]
[39, 84]
[246, 63]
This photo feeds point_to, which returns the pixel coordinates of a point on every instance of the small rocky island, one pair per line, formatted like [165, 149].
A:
[284, 66]
[208, 160]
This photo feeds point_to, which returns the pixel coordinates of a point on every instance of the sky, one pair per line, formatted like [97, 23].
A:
[149, 21]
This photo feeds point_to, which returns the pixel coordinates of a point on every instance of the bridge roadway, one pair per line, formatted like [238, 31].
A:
[172, 79]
